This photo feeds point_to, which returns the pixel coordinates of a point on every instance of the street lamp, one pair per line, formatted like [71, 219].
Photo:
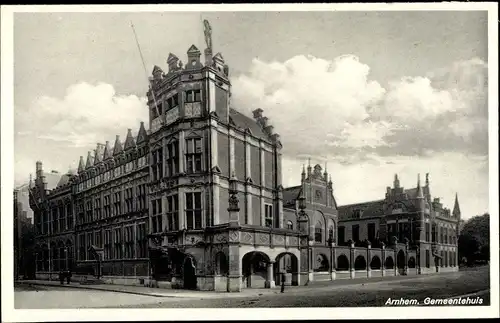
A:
[233, 192]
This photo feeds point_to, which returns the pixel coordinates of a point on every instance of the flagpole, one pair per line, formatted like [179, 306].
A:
[145, 70]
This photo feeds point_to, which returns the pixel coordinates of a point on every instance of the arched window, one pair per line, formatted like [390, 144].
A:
[331, 236]
[289, 225]
[318, 232]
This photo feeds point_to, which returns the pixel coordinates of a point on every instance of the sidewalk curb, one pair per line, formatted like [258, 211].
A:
[101, 289]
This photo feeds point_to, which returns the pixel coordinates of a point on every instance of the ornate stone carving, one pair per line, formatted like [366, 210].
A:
[220, 238]
[246, 237]
[233, 236]
[263, 239]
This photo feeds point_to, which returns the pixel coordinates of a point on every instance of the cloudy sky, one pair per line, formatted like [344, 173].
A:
[371, 93]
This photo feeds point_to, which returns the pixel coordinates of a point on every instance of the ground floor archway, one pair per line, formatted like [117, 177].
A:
[189, 273]
[255, 269]
[287, 267]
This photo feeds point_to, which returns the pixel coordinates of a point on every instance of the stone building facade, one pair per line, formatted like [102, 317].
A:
[196, 201]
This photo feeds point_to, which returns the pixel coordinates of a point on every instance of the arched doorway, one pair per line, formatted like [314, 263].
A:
[254, 269]
[401, 261]
[288, 264]
[360, 263]
[389, 263]
[189, 273]
[342, 263]
[375, 263]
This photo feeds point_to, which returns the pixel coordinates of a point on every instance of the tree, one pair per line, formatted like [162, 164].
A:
[474, 240]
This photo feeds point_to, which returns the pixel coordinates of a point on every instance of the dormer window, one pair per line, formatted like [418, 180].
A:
[357, 214]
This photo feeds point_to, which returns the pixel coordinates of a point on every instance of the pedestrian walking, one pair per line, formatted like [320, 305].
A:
[282, 282]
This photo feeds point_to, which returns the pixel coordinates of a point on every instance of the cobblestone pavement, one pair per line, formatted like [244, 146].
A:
[362, 292]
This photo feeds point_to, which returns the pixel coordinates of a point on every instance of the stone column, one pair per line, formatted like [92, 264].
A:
[368, 259]
[351, 261]
[234, 278]
[383, 259]
[270, 271]
[333, 262]
[405, 270]
[310, 271]
[395, 252]
[181, 210]
[215, 199]
[182, 151]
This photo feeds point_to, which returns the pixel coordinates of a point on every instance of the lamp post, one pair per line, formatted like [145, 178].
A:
[234, 207]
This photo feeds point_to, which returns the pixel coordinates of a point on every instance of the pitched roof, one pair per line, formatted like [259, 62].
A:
[412, 192]
[370, 209]
[244, 122]
[290, 194]
[63, 180]
[90, 160]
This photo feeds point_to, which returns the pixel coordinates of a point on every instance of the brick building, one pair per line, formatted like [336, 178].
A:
[195, 201]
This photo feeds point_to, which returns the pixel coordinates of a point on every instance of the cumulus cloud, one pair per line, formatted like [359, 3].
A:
[332, 106]
[87, 114]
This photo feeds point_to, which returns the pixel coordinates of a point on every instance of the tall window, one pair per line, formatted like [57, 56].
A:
[156, 216]
[98, 210]
[129, 200]
[445, 235]
[157, 164]
[193, 210]
[318, 232]
[427, 258]
[117, 241]
[427, 231]
[193, 96]
[45, 216]
[81, 247]
[268, 215]
[117, 205]
[98, 238]
[441, 231]
[193, 155]
[172, 101]
[289, 225]
[107, 244]
[81, 213]
[331, 233]
[107, 206]
[355, 232]
[141, 240]
[172, 158]
[141, 197]
[172, 212]
[62, 218]
[88, 215]
[129, 241]
[371, 232]
[434, 235]
[54, 221]
[341, 237]
[89, 241]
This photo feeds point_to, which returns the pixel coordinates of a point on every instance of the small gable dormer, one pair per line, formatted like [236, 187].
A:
[194, 55]
[157, 73]
[142, 135]
[90, 161]
[108, 154]
[81, 166]
[118, 148]
[129, 141]
[173, 63]
[219, 64]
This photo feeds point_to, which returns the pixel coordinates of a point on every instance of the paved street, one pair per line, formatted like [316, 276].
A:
[472, 281]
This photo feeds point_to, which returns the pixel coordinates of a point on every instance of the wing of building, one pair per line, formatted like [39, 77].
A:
[196, 200]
